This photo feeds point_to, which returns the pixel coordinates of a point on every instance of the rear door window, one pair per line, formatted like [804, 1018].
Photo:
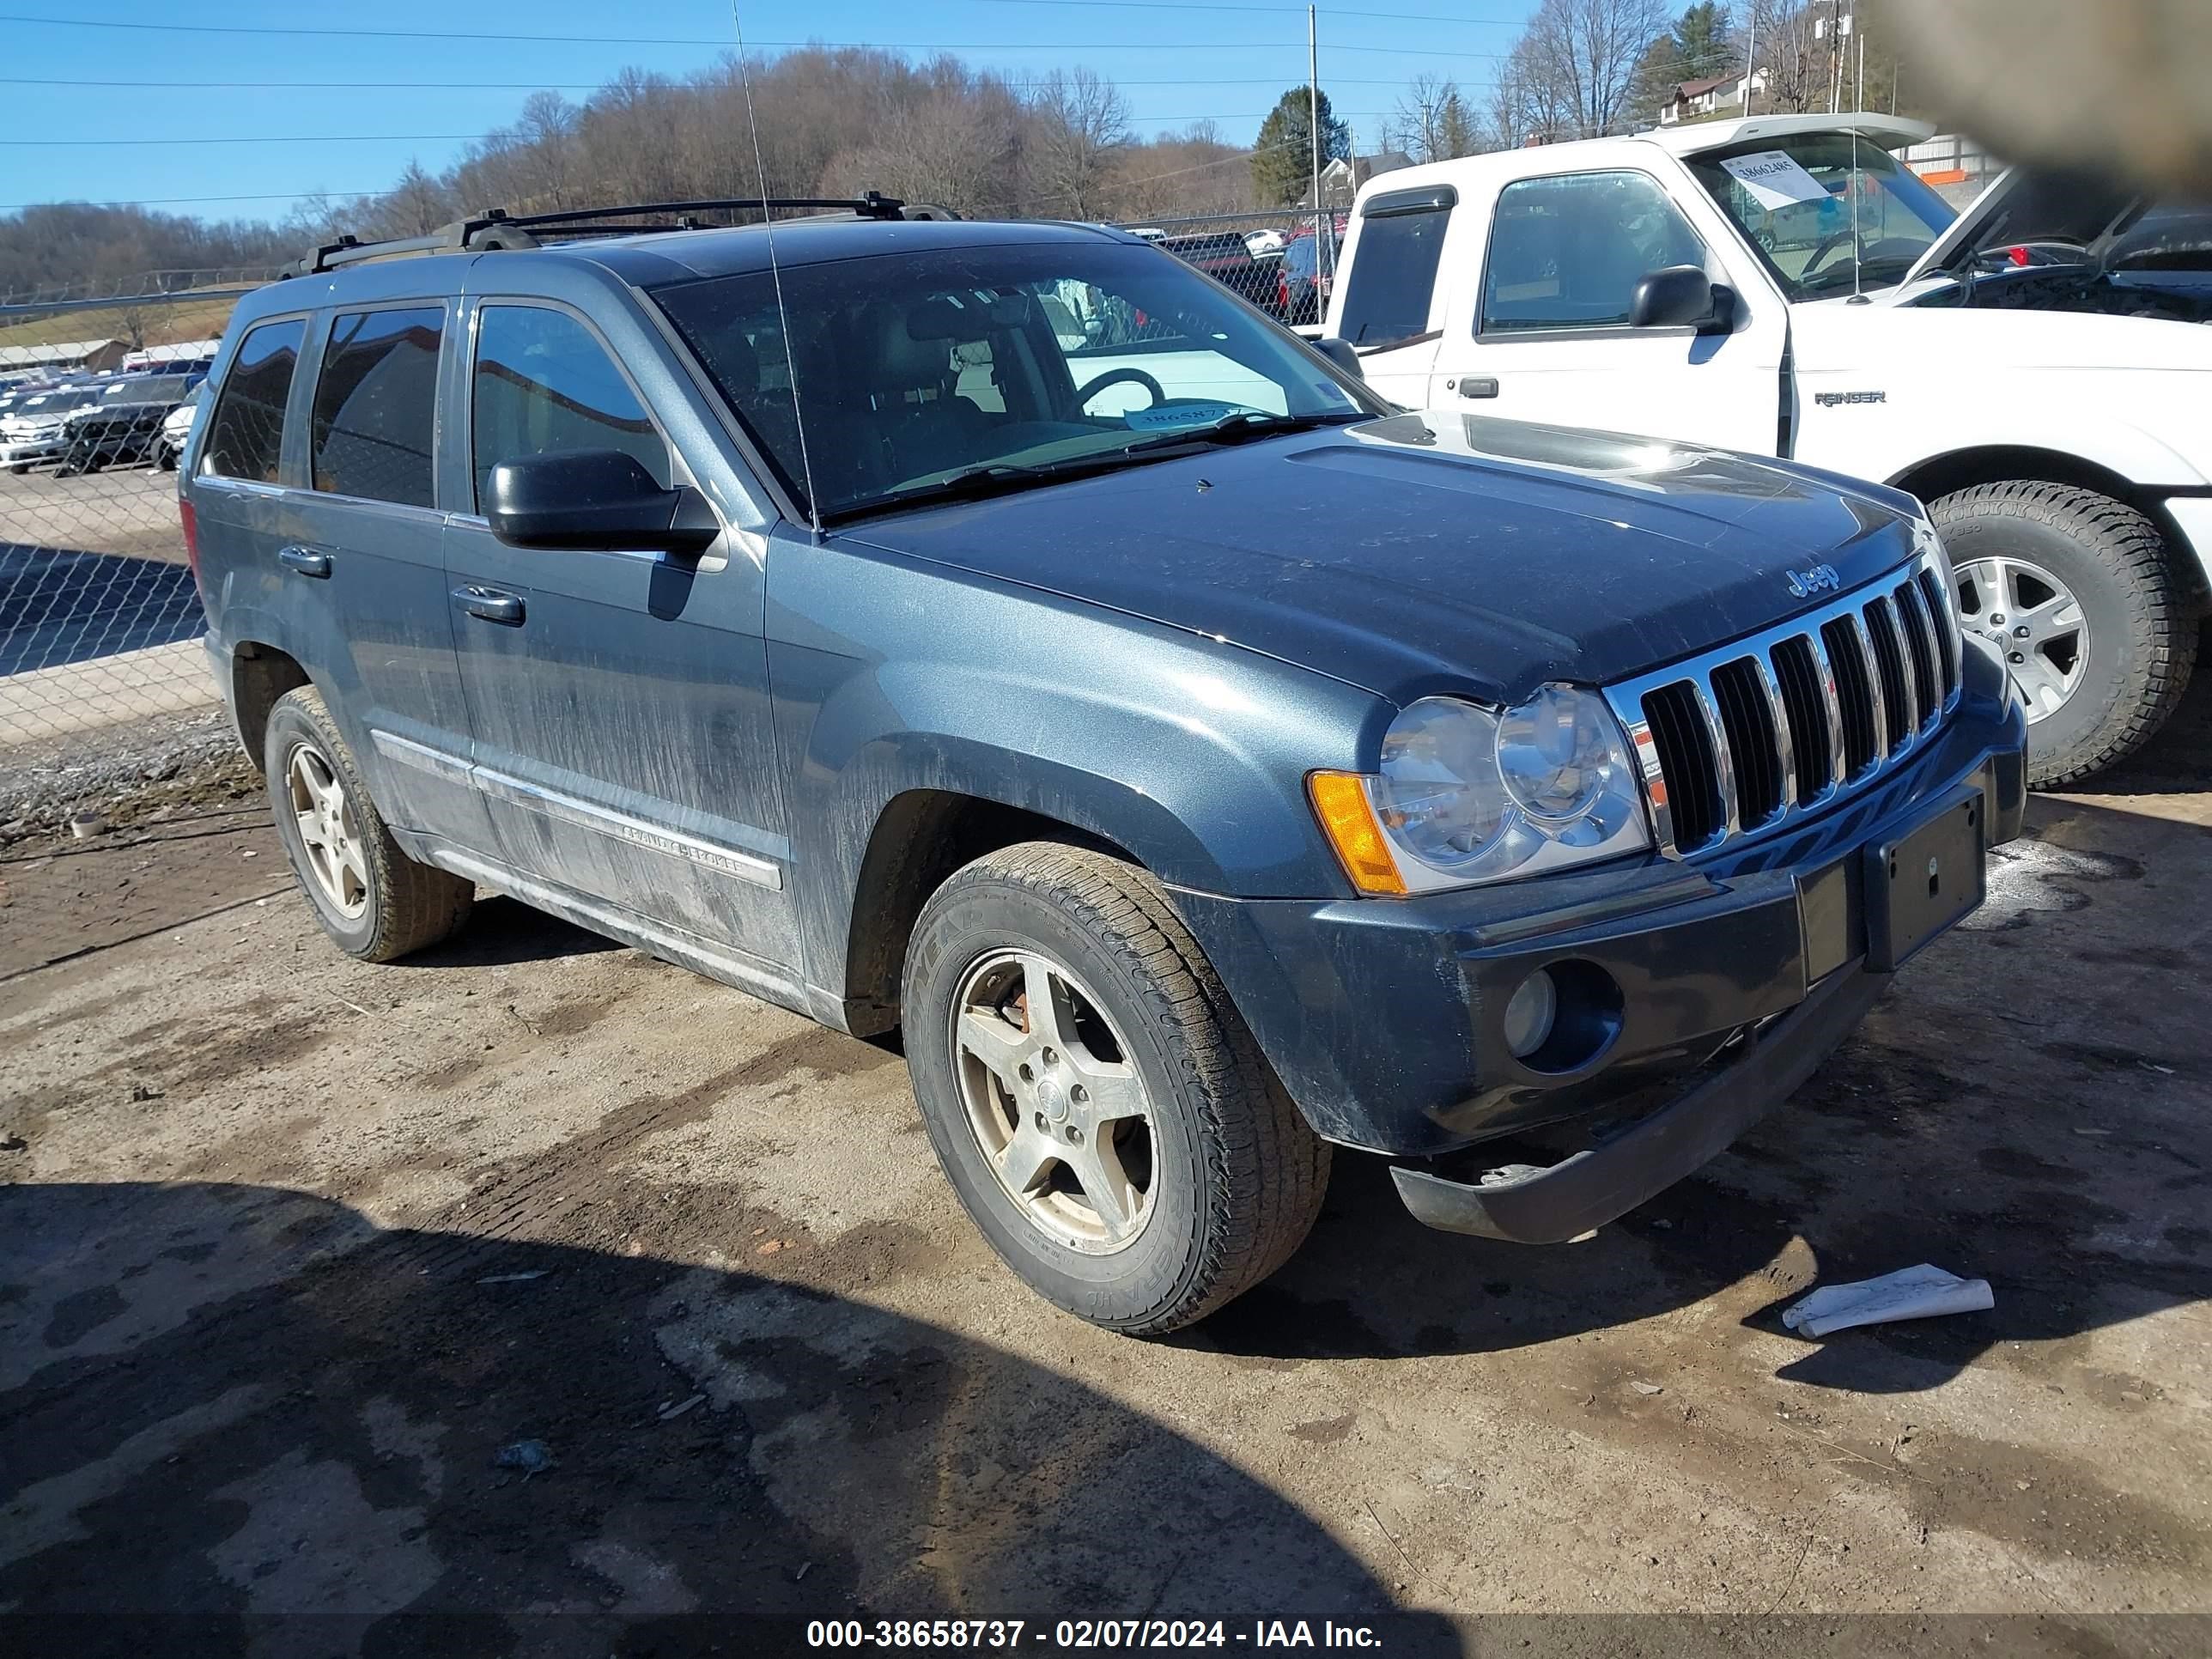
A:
[1393, 276]
[246, 439]
[376, 406]
[545, 386]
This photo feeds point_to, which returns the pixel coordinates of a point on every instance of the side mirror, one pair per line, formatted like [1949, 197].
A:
[1340, 352]
[595, 500]
[1683, 296]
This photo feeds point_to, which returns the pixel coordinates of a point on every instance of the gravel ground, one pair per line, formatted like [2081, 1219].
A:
[295, 1254]
[165, 765]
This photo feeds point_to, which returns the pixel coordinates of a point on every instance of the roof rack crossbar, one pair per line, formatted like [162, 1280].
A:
[496, 227]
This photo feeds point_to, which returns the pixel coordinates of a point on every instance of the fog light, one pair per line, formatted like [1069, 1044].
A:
[1529, 1017]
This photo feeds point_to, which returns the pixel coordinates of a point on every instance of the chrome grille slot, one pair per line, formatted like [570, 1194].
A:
[1686, 761]
[1758, 733]
[1797, 671]
[1920, 653]
[1847, 652]
[1889, 663]
[1754, 745]
[1943, 610]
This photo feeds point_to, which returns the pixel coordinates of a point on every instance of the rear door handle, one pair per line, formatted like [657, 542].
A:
[1479, 385]
[491, 604]
[305, 559]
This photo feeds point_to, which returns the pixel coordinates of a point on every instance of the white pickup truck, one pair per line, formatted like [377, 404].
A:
[1784, 285]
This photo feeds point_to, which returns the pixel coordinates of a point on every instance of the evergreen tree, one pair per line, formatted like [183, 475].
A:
[1282, 163]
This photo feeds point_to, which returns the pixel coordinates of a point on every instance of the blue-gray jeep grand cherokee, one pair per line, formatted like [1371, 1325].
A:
[1002, 634]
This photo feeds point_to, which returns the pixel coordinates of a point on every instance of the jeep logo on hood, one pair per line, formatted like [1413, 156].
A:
[1821, 579]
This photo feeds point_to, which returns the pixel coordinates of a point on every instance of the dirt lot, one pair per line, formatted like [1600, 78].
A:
[291, 1249]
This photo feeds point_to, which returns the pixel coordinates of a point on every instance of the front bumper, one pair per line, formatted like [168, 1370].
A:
[1385, 1019]
[24, 451]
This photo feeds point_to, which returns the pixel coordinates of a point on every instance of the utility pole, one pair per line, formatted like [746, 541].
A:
[1313, 128]
[1859, 102]
[1751, 58]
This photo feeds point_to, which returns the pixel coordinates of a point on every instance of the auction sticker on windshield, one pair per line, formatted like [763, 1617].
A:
[1774, 178]
[1170, 416]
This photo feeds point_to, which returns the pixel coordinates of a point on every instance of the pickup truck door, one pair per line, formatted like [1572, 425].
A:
[1538, 331]
[618, 699]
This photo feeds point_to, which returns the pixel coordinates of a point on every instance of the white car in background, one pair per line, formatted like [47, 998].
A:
[176, 426]
[1784, 285]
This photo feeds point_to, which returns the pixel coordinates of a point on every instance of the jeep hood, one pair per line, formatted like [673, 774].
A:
[1420, 554]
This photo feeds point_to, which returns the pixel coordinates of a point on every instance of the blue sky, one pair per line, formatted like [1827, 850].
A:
[1175, 63]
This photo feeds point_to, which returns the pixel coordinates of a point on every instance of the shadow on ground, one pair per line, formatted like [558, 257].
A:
[242, 1416]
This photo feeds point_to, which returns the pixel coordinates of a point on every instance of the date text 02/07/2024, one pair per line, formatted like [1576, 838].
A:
[1086, 1634]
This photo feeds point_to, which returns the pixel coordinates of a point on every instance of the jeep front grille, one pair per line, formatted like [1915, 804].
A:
[1751, 737]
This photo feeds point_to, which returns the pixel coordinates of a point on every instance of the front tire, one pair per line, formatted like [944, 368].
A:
[1096, 1100]
[2076, 590]
[375, 903]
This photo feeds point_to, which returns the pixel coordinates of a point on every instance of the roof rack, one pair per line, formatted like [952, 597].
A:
[497, 228]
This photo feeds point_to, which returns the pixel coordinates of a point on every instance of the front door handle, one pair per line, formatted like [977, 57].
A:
[491, 604]
[1479, 385]
[305, 559]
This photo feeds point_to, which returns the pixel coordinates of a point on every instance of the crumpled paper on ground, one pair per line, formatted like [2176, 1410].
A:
[1920, 1292]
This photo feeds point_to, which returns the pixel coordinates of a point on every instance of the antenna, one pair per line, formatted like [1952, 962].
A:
[775, 276]
[1857, 246]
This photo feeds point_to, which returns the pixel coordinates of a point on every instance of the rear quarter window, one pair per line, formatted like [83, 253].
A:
[1393, 276]
[245, 438]
[376, 406]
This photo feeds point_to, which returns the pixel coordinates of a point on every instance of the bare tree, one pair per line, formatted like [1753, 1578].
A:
[1432, 122]
[1576, 65]
[1795, 66]
[1083, 124]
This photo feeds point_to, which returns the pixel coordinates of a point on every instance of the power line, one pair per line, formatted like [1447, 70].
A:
[470, 137]
[590, 85]
[1427, 18]
[721, 42]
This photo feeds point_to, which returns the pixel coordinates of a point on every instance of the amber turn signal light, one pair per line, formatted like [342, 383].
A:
[1339, 800]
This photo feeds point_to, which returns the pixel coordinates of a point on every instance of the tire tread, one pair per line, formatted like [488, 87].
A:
[2133, 550]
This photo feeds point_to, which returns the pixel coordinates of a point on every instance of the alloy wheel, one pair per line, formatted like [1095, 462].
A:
[2034, 619]
[335, 860]
[1055, 1104]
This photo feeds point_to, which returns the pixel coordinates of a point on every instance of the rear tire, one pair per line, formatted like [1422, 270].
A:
[2135, 645]
[1231, 1177]
[375, 903]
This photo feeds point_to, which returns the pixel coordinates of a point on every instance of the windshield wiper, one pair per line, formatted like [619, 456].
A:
[1242, 427]
[975, 483]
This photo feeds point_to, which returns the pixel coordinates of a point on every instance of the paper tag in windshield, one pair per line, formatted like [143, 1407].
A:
[1180, 414]
[1774, 178]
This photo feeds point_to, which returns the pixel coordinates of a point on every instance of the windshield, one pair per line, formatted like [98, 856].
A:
[1796, 200]
[1037, 360]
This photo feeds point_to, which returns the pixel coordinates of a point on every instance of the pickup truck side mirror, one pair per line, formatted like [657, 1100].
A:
[594, 500]
[1340, 352]
[1683, 296]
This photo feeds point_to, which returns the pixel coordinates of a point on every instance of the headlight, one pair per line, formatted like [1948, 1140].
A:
[1466, 796]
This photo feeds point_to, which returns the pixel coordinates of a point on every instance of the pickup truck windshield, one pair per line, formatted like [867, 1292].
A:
[1022, 364]
[1793, 200]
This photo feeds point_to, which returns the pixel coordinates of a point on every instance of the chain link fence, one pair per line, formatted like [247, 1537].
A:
[1283, 261]
[97, 608]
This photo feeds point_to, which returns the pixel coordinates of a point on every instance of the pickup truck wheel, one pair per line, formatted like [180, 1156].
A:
[2073, 588]
[1099, 1107]
[375, 902]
